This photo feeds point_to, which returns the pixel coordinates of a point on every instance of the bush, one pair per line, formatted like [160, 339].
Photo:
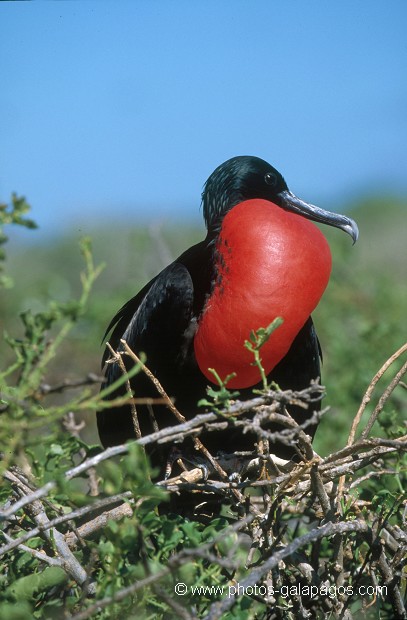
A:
[83, 536]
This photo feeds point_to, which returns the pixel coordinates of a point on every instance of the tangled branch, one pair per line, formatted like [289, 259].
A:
[317, 494]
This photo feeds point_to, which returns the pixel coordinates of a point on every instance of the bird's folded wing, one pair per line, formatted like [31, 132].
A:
[158, 322]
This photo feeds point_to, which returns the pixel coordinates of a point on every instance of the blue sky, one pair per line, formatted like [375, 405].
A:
[120, 110]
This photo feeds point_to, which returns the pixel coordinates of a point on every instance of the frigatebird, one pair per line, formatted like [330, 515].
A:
[262, 258]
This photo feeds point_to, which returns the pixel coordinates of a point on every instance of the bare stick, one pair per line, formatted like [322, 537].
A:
[42, 557]
[118, 359]
[68, 561]
[383, 399]
[325, 531]
[155, 381]
[366, 398]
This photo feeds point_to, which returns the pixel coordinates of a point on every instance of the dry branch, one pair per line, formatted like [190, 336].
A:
[306, 492]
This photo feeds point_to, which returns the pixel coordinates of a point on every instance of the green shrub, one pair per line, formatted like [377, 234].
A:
[82, 533]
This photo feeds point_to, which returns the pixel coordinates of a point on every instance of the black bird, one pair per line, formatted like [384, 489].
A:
[261, 258]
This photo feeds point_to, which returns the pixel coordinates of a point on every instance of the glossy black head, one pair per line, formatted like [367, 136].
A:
[238, 179]
[246, 177]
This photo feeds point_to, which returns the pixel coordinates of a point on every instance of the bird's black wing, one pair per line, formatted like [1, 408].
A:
[123, 317]
[196, 261]
[158, 321]
[302, 362]
[298, 368]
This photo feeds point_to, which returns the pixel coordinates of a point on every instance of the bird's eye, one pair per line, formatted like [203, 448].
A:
[271, 179]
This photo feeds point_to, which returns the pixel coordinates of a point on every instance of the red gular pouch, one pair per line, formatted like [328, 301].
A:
[269, 263]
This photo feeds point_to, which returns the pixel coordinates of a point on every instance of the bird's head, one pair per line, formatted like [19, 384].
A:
[245, 178]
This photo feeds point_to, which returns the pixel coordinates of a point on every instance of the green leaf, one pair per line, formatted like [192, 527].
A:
[29, 586]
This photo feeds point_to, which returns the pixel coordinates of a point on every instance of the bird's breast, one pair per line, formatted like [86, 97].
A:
[269, 263]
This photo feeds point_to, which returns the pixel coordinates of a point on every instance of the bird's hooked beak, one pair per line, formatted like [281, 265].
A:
[290, 202]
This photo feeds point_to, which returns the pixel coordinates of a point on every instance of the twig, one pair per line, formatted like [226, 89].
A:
[155, 382]
[41, 556]
[72, 427]
[74, 514]
[68, 561]
[90, 379]
[366, 398]
[325, 531]
[90, 527]
[118, 359]
[383, 399]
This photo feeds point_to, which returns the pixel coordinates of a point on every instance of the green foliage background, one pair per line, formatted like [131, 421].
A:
[360, 323]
